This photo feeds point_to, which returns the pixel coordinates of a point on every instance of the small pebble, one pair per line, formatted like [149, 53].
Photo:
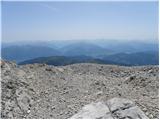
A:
[150, 116]
[28, 111]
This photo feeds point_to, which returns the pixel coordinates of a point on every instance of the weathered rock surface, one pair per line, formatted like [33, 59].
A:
[42, 91]
[94, 111]
[125, 109]
[116, 108]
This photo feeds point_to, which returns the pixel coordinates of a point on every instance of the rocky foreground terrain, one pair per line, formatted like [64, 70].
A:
[42, 91]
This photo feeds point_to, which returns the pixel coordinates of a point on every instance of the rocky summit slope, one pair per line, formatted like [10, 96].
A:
[42, 91]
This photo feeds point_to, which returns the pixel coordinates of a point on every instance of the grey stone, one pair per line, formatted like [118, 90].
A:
[125, 109]
[93, 111]
[117, 108]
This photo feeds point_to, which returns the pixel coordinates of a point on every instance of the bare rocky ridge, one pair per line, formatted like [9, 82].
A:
[42, 91]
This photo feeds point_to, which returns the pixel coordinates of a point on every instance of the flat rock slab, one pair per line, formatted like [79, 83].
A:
[116, 108]
[93, 111]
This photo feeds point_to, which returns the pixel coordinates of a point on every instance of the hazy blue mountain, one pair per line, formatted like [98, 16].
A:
[21, 53]
[128, 46]
[122, 53]
[63, 60]
[87, 49]
[138, 58]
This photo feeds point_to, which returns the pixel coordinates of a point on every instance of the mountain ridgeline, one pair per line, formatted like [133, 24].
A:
[128, 54]
[21, 53]
[65, 60]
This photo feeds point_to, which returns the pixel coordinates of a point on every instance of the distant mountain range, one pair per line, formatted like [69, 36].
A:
[132, 59]
[21, 53]
[138, 58]
[128, 46]
[63, 60]
[87, 49]
[82, 52]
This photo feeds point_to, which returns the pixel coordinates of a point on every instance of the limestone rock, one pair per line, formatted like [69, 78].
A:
[97, 110]
[116, 108]
[125, 109]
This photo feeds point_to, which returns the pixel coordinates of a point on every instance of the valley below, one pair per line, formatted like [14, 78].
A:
[47, 91]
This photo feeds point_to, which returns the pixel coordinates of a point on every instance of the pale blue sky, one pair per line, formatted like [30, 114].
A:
[79, 20]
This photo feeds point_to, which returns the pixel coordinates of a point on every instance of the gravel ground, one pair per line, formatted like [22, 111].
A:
[43, 91]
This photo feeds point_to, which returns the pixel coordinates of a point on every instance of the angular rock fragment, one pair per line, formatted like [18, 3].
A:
[125, 109]
[94, 111]
[116, 108]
